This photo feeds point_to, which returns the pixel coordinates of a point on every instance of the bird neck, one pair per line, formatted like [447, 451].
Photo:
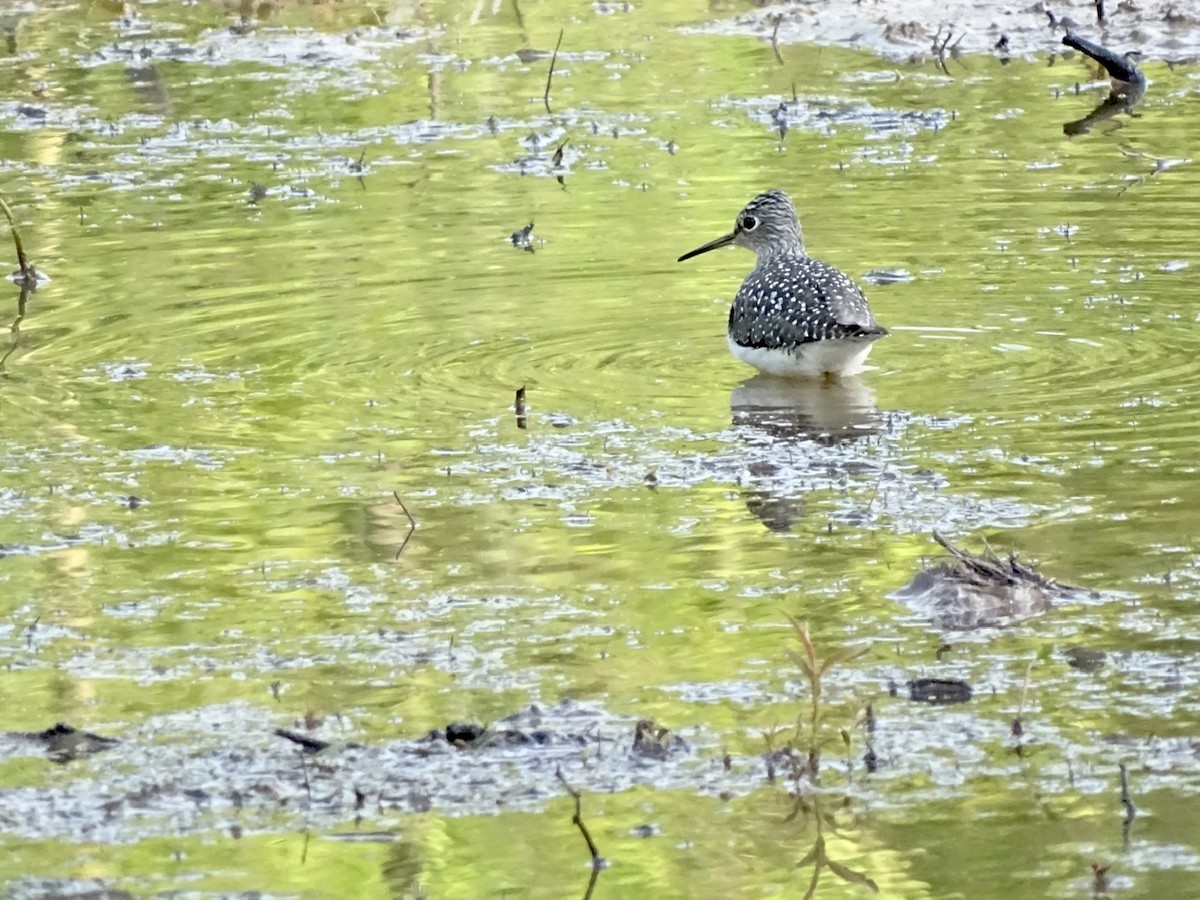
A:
[786, 243]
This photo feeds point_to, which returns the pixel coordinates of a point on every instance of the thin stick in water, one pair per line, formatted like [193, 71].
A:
[1126, 801]
[550, 74]
[519, 408]
[577, 821]
[412, 523]
[28, 273]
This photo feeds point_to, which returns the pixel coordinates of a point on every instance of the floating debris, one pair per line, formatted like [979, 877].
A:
[519, 408]
[63, 742]
[978, 591]
[780, 120]
[523, 238]
[888, 276]
[311, 745]
[653, 741]
[464, 733]
[939, 690]
[1085, 659]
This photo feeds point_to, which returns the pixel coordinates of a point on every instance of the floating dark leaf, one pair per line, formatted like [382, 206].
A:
[939, 690]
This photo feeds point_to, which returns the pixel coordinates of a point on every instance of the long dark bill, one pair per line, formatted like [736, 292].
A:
[711, 245]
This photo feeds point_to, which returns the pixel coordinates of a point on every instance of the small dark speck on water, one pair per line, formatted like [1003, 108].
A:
[132, 502]
[257, 192]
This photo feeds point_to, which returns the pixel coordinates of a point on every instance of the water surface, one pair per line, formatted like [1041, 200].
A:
[283, 288]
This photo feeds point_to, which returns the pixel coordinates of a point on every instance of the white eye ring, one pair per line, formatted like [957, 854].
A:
[749, 223]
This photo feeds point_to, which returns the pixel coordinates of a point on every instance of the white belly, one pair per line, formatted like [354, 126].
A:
[840, 357]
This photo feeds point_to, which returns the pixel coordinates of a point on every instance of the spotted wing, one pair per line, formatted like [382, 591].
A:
[794, 300]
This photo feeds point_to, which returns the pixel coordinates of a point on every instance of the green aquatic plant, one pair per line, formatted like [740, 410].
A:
[802, 754]
[809, 727]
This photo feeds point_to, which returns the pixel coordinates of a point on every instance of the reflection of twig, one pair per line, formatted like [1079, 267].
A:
[577, 820]
[878, 482]
[1018, 728]
[775, 40]
[1161, 164]
[550, 74]
[307, 786]
[16, 325]
[412, 524]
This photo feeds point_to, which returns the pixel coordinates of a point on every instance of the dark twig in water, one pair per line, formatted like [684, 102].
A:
[1121, 67]
[989, 568]
[775, 40]
[28, 274]
[577, 820]
[550, 74]
[939, 50]
[312, 745]
[519, 408]
[412, 524]
[557, 158]
[1126, 801]
[1100, 11]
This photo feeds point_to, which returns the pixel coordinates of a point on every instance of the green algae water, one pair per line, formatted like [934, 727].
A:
[283, 293]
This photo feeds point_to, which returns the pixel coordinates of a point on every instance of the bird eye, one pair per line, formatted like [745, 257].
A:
[749, 223]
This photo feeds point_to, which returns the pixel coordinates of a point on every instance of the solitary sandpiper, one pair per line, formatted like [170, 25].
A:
[793, 315]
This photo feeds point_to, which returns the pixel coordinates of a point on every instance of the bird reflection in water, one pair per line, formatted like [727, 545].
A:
[815, 418]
